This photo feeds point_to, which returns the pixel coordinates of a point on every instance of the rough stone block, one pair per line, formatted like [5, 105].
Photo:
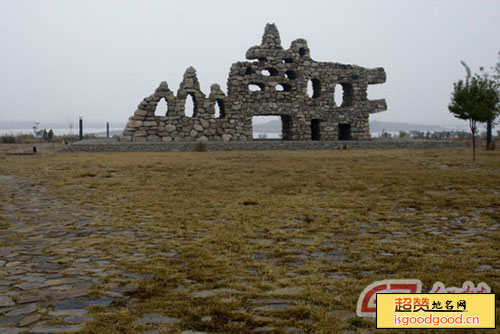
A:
[140, 112]
[154, 139]
[202, 139]
[135, 124]
[170, 128]
[139, 139]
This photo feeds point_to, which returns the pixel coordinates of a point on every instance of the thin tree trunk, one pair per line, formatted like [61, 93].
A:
[472, 125]
[489, 145]
[473, 146]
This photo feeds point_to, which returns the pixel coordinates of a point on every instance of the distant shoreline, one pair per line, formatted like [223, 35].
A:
[60, 132]
[272, 129]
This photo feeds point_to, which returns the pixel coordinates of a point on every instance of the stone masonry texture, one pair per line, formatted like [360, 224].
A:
[273, 82]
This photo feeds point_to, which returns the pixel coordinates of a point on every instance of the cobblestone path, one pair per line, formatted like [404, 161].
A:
[47, 274]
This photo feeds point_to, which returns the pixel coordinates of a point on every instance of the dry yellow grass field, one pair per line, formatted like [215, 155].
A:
[276, 241]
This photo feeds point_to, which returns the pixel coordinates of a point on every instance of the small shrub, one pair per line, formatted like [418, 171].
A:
[88, 174]
[26, 138]
[8, 139]
[67, 138]
[200, 147]
[358, 322]
[385, 134]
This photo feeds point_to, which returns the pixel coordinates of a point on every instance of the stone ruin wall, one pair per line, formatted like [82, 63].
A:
[279, 78]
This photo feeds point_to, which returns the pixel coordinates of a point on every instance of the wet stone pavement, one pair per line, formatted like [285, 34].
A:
[46, 276]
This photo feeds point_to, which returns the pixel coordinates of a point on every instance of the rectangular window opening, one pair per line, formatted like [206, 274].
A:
[266, 127]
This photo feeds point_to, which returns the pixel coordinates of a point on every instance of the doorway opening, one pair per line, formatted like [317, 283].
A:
[315, 129]
[344, 131]
[286, 127]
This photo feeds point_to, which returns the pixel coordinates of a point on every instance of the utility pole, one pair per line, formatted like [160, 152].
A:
[80, 124]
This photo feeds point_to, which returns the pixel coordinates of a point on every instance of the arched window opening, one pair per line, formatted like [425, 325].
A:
[255, 87]
[284, 87]
[269, 72]
[314, 88]
[338, 95]
[220, 111]
[343, 94]
[190, 106]
[291, 75]
[302, 52]
[161, 107]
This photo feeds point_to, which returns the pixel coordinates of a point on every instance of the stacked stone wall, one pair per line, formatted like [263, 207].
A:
[280, 79]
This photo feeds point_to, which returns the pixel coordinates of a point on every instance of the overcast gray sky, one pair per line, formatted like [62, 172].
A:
[99, 58]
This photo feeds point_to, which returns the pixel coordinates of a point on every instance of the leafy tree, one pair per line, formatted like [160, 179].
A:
[495, 82]
[474, 100]
[496, 77]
